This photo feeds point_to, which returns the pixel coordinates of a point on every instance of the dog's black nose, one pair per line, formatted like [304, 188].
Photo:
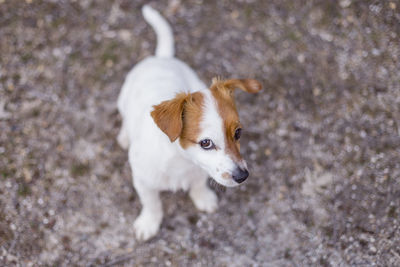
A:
[240, 175]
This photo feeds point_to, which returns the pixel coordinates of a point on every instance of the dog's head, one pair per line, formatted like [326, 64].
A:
[208, 127]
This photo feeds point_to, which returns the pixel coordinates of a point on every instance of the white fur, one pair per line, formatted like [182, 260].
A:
[165, 39]
[215, 162]
[157, 164]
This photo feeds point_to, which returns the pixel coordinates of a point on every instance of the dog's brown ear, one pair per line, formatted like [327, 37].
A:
[168, 116]
[247, 85]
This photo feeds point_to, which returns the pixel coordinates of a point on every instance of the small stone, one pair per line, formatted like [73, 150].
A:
[10, 87]
[376, 52]
[125, 35]
[3, 113]
[234, 14]
[27, 175]
[372, 249]
[301, 58]
[40, 68]
[350, 18]
[326, 36]
[392, 5]
[283, 189]
[316, 91]
[109, 63]
[345, 3]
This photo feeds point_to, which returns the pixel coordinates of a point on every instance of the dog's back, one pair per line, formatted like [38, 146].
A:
[158, 77]
[151, 81]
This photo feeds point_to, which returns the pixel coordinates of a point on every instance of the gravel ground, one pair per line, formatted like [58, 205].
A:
[322, 139]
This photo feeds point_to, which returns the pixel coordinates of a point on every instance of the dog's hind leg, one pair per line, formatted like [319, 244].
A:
[149, 220]
[123, 138]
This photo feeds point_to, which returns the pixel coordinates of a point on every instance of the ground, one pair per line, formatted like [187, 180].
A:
[322, 139]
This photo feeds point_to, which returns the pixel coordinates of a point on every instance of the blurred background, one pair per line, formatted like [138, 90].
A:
[322, 139]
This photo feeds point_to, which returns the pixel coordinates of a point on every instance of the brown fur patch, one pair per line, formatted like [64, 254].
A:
[180, 117]
[227, 110]
[222, 91]
[248, 85]
[168, 116]
[192, 115]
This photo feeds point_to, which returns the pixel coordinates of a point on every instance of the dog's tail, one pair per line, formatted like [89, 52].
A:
[165, 38]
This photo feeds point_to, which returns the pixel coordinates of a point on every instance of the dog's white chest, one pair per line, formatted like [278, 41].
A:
[180, 174]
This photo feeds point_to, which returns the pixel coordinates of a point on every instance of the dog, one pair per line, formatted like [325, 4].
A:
[177, 130]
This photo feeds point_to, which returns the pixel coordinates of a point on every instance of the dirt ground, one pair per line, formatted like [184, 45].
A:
[322, 139]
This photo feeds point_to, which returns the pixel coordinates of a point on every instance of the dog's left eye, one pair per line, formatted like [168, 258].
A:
[207, 144]
[238, 133]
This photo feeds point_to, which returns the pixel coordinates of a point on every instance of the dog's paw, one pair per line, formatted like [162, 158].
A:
[206, 200]
[145, 227]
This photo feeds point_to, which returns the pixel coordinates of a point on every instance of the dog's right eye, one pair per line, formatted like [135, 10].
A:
[207, 144]
[238, 133]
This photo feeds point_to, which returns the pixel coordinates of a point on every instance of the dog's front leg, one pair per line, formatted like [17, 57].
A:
[203, 197]
[149, 220]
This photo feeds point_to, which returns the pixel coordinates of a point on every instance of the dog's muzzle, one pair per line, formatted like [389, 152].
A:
[239, 175]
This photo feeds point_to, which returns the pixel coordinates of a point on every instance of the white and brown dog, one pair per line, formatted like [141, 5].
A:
[177, 130]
